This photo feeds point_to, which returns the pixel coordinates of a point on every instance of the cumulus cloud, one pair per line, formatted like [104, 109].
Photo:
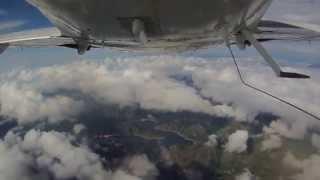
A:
[54, 155]
[141, 166]
[237, 142]
[246, 175]
[272, 142]
[151, 85]
[26, 104]
[78, 128]
[133, 83]
[164, 83]
[307, 169]
[315, 140]
[40, 154]
[212, 141]
[221, 84]
[292, 131]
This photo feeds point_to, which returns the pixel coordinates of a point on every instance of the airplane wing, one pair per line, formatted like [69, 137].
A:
[287, 31]
[44, 37]
[277, 30]
[50, 37]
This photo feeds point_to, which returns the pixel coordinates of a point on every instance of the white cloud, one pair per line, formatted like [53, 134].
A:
[47, 155]
[237, 142]
[26, 104]
[140, 166]
[154, 82]
[246, 175]
[272, 142]
[123, 83]
[308, 168]
[212, 141]
[49, 152]
[315, 140]
[78, 128]
[7, 25]
[292, 131]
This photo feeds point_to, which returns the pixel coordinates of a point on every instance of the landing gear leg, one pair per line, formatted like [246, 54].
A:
[83, 43]
[139, 31]
[273, 64]
[83, 46]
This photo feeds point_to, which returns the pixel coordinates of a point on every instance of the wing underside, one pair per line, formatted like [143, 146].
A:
[44, 37]
[34, 38]
[52, 37]
[287, 31]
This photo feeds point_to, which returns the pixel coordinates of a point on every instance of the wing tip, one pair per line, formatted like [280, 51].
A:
[293, 75]
[4, 47]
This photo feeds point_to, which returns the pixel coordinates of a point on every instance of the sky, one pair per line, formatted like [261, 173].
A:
[19, 15]
[52, 86]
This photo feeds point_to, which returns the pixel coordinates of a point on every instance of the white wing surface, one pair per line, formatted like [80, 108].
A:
[287, 30]
[44, 37]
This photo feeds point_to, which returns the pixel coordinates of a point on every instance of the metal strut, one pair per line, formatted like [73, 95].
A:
[139, 31]
[83, 44]
[267, 57]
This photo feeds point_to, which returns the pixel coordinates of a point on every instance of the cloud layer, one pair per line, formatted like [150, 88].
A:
[49, 153]
[23, 95]
[309, 167]
[46, 155]
[163, 83]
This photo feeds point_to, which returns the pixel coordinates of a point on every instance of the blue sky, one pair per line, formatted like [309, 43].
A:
[20, 11]
[17, 15]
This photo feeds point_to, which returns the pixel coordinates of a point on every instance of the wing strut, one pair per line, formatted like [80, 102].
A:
[267, 57]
